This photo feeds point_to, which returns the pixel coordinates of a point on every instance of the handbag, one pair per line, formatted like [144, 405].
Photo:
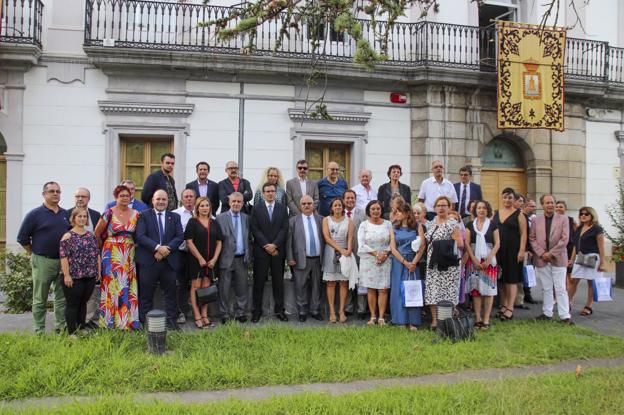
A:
[603, 291]
[444, 253]
[586, 260]
[210, 294]
[529, 276]
[412, 292]
[458, 328]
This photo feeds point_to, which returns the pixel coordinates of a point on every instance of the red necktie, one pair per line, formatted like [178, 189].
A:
[349, 214]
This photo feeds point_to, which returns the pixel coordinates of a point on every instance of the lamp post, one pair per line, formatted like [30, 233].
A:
[156, 331]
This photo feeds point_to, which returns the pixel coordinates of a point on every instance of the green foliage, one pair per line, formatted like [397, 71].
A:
[365, 55]
[616, 215]
[234, 356]
[16, 281]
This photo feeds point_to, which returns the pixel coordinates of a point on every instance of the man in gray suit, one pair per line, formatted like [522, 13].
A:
[234, 259]
[299, 186]
[304, 252]
[357, 216]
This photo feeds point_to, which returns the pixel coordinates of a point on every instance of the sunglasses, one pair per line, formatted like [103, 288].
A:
[302, 168]
[584, 214]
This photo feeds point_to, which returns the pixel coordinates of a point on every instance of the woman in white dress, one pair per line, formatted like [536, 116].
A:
[338, 232]
[588, 241]
[374, 249]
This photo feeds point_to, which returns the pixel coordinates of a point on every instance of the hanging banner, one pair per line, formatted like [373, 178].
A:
[530, 76]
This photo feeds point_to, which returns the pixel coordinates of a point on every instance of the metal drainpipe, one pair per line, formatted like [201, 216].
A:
[552, 181]
[241, 128]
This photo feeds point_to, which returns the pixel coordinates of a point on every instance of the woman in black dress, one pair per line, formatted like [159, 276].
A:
[203, 238]
[512, 229]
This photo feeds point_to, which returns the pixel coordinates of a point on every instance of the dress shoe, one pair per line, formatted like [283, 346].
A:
[529, 300]
[241, 319]
[543, 317]
[522, 307]
[255, 318]
[181, 318]
[302, 318]
[281, 317]
[567, 321]
[317, 316]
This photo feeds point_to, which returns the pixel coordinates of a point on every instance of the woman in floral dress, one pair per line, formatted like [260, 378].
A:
[119, 305]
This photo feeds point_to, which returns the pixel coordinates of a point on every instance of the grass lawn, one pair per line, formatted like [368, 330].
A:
[596, 391]
[233, 357]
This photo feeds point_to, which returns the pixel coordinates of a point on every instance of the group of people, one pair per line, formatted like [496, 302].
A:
[361, 242]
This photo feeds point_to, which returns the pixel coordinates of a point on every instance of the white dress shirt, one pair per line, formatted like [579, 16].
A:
[185, 215]
[430, 190]
[317, 241]
[203, 188]
[303, 185]
[363, 196]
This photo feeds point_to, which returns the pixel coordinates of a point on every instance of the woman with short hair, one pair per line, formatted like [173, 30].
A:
[588, 242]
[80, 263]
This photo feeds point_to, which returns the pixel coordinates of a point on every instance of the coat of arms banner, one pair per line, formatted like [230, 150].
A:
[530, 76]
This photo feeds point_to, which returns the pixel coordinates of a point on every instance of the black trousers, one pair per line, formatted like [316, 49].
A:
[184, 286]
[76, 298]
[264, 262]
[151, 275]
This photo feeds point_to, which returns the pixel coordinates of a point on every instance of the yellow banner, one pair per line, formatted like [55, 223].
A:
[530, 76]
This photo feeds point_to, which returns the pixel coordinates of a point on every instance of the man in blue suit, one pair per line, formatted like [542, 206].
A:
[158, 235]
[466, 191]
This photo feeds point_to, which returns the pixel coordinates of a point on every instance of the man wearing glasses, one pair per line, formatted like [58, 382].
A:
[300, 186]
[330, 187]
[135, 204]
[40, 235]
[233, 183]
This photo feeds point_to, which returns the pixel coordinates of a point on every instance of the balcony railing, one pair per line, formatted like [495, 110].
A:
[21, 21]
[178, 27]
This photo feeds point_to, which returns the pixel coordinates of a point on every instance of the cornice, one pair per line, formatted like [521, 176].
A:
[298, 114]
[145, 108]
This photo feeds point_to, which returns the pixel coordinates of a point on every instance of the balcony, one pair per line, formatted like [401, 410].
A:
[144, 31]
[20, 32]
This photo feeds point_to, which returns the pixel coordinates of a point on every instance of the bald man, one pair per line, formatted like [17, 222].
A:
[158, 236]
[330, 187]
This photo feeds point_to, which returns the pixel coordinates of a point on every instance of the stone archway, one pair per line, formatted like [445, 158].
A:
[502, 165]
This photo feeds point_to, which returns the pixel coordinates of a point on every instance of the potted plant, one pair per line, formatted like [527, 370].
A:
[616, 215]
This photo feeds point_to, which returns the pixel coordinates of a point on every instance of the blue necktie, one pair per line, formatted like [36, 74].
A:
[271, 212]
[161, 230]
[312, 239]
[236, 229]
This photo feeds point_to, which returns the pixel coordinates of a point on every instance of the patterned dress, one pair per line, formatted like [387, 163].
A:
[339, 232]
[441, 285]
[119, 305]
[373, 238]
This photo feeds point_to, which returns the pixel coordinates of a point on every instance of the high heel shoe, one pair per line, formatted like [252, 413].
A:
[199, 323]
[381, 322]
[332, 318]
[343, 318]
[372, 321]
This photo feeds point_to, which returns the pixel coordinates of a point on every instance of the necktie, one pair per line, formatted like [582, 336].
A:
[462, 203]
[312, 239]
[270, 212]
[161, 229]
[349, 214]
[236, 227]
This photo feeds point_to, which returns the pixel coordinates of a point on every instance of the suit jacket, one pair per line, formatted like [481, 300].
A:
[147, 238]
[558, 239]
[384, 194]
[269, 231]
[296, 243]
[226, 189]
[212, 193]
[357, 217]
[475, 193]
[228, 249]
[293, 194]
[94, 216]
[156, 181]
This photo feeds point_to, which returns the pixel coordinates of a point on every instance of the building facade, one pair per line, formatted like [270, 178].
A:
[96, 93]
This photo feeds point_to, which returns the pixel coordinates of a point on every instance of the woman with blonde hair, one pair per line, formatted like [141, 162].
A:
[274, 176]
[203, 238]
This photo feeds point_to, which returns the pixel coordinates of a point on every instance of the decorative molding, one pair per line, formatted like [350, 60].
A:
[298, 114]
[14, 156]
[619, 135]
[146, 108]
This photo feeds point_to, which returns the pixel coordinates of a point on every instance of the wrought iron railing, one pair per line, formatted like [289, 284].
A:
[180, 27]
[21, 21]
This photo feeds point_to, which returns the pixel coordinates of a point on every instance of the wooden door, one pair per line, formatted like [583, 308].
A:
[140, 157]
[493, 181]
[319, 154]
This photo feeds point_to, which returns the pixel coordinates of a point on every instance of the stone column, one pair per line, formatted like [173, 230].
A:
[619, 266]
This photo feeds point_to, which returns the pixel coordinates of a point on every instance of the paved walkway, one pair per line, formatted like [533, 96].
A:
[335, 389]
[608, 317]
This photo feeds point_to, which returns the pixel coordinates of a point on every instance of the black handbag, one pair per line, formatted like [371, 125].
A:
[208, 294]
[443, 253]
[458, 328]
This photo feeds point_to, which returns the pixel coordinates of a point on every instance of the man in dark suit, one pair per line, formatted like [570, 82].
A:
[161, 179]
[466, 191]
[300, 186]
[234, 259]
[82, 196]
[204, 187]
[304, 252]
[158, 236]
[269, 227]
[234, 183]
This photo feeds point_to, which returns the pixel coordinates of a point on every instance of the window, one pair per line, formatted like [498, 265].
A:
[319, 154]
[140, 157]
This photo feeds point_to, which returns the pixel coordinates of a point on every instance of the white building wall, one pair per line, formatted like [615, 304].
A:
[63, 138]
[602, 167]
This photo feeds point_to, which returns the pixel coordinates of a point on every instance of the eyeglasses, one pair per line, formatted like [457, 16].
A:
[306, 203]
[336, 169]
[232, 168]
[81, 196]
[53, 191]
[302, 168]
[441, 206]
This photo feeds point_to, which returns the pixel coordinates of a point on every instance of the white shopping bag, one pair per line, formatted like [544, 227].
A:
[412, 293]
[602, 289]
[529, 276]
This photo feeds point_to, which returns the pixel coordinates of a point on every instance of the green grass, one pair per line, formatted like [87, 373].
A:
[596, 391]
[235, 357]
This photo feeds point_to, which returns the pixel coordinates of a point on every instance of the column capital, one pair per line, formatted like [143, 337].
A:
[619, 135]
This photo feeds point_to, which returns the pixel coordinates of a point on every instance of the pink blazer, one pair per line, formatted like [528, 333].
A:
[558, 238]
